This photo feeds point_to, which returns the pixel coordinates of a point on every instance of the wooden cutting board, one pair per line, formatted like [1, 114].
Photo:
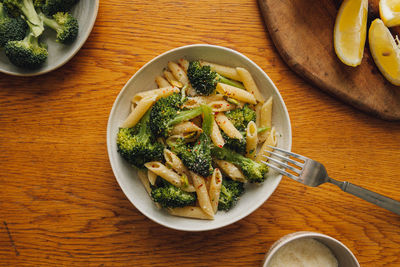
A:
[302, 31]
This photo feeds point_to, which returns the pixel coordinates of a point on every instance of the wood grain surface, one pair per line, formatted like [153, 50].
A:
[314, 57]
[60, 204]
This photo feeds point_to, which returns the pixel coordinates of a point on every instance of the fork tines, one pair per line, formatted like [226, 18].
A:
[285, 158]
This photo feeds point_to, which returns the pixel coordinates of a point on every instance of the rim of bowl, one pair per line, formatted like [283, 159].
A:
[82, 42]
[302, 234]
[110, 139]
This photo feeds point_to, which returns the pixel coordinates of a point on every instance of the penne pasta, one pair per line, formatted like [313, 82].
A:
[250, 84]
[152, 177]
[190, 212]
[226, 125]
[258, 113]
[228, 72]
[161, 92]
[161, 82]
[202, 193]
[216, 136]
[143, 178]
[221, 106]
[265, 118]
[178, 73]
[185, 127]
[236, 93]
[251, 140]
[184, 64]
[272, 141]
[165, 173]
[171, 159]
[138, 112]
[231, 170]
[171, 79]
[215, 189]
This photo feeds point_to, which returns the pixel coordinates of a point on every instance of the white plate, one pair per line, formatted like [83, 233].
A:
[126, 176]
[85, 11]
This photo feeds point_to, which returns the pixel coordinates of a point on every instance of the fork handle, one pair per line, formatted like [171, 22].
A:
[375, 198]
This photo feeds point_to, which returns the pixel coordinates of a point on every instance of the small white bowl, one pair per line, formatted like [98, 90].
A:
[343, 255]
[126, 176]
[85, 11]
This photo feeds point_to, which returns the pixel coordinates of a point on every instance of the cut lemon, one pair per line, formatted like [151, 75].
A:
[390, 12]
[350, 31]
[385, 50]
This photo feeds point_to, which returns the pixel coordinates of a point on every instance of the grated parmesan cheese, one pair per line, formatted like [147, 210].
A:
[305, 252]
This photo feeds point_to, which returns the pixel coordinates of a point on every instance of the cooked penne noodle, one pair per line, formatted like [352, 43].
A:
[216, 136]
[221, 106]
[152, 177]
[161, 82]
[184, 64]
[251, 140]
[138, 112]
[143, 178]
[250, 84]
[193, 102]
[226, 125]
[132, 107]
[160, 92]
[165, 173]
[265, 118]
[231, 170]
[272, 141]
[178, 73]
[215, 189]
[202, 193]
[185, 127]
[190, 212]
[236, 93]
[258, 113]
[171, 79]
[171, 159]
[228, 72]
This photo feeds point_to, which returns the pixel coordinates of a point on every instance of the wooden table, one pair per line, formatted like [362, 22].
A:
[61, 205]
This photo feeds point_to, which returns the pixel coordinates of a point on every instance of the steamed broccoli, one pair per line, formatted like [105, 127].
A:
[28, 53]
[51, 7]
[241, 117]
[27, 9]
[204, 80]
[166, 113]
[230, 193]
[170, 196]
[254, 171]
[65, 25]
[137, 144]
[237, 145]
[197, 157]
[11, 29]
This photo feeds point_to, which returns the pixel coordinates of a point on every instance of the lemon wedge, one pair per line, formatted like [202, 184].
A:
[385, 50]
[350, 31]
[390, 12]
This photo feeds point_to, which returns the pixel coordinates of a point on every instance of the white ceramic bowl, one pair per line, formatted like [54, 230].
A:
[343, 255]
[85, 11]
[126, 176]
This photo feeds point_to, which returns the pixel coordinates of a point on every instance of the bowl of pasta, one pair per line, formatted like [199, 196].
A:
[188, 133]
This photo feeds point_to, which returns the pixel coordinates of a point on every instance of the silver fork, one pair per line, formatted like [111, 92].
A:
[313, 173]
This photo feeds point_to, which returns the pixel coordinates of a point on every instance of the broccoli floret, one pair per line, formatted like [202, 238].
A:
[28, 53]
[51, 7]
[11, 29]
[240, 117]
[27, 9]
[137, 144]
[65, 25]
[204, 80]
[166, 113]
[237, 145]
[197, 157]
[230, 193]
[170, 196]
[254, 171]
